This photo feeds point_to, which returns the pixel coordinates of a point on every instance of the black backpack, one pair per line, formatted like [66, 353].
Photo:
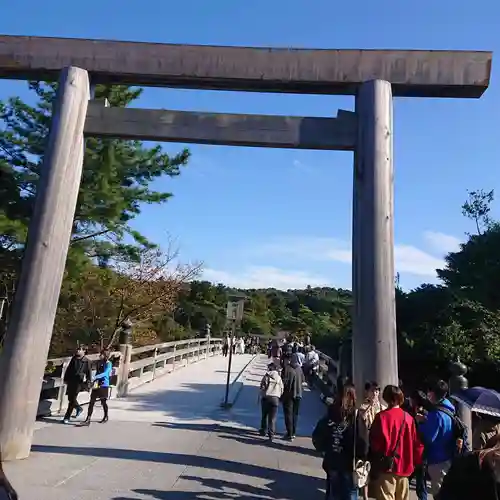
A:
[460, 431]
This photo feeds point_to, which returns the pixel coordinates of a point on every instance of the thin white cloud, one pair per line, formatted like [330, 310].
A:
[441, 242]
[412, 260]
[408, 258]
[265, 277]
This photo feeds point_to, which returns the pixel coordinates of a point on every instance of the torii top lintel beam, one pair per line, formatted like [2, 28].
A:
[412, 73]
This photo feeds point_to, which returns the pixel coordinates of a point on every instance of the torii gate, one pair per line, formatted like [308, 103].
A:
[373, 76]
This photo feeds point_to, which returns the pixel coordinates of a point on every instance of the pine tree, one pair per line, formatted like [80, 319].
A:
[116, 180]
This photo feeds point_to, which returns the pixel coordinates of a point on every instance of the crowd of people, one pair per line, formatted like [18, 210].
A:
[240, 345]
[375, 447]
[394, 439]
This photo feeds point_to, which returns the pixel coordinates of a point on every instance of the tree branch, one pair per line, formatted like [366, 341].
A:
[81, 238]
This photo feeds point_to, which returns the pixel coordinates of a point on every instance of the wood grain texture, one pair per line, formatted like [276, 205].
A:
[375, 341]
[223, 129]
[416, 73]
[26, 344]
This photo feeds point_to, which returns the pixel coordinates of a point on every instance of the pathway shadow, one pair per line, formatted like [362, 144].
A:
[281, 485]
[219, 489]
[283, 446]
[218, 427]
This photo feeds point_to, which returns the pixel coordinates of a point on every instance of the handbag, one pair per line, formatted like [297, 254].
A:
[360, 468]
[385, 463]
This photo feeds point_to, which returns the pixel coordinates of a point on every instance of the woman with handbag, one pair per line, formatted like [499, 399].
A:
[338, 438]
[395, 449]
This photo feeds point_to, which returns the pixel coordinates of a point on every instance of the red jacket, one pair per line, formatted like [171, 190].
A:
[384, 434]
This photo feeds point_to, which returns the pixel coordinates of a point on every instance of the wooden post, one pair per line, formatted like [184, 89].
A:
[357, 347]
[124, 370]
[154, 366]
[374, 339]
[27, 341]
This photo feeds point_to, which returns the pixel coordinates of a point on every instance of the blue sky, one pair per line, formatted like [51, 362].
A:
[265, 217]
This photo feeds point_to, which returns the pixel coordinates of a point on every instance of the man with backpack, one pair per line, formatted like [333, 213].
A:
[443, 434]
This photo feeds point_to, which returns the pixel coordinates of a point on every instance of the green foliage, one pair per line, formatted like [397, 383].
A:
[117, 178]
[474, 271]
[461, 317]
[322, 312]
[117, 181]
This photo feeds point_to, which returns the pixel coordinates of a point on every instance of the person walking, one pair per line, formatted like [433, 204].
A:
[271, 390]
[101, 386]
[370, 407]
[225, 347]
[310, 365]
[293, 379]
[437, 430]
[394, 449]
[337, 436]
[77, 378]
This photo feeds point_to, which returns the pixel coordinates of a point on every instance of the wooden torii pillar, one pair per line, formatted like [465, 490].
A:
[374, 351]
[373, 76]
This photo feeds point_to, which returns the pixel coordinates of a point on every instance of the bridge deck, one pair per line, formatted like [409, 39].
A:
[170, 440]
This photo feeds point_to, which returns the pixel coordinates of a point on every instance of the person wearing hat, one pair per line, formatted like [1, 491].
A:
[271, 390]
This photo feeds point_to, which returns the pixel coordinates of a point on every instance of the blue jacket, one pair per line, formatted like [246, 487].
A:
[437, 434]
[104, 370]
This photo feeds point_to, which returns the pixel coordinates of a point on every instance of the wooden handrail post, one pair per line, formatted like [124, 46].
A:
[124, 370]
[154, 360]
[29, 332]
[173, 359]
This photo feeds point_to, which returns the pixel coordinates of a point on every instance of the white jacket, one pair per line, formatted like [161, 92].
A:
[272, 385]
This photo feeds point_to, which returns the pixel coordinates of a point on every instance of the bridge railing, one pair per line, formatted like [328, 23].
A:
[146, 364]
[328, 372]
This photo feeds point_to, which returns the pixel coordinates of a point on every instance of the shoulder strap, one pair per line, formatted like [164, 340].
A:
[446, 411]
[399, 434]
[355, 431]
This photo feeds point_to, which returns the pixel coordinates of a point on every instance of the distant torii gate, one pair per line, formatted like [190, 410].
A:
[373, 76]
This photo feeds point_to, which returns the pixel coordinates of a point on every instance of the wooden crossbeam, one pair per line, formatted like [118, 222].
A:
[293, 132]
[415, 73]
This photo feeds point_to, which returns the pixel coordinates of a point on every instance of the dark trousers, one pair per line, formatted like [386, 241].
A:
[72, 393]
[420, 476]
[225, 350]
[339, 486]
[291, 408]
[101, 393]
[270, 406]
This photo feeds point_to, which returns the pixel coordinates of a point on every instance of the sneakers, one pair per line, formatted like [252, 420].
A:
[65, 421]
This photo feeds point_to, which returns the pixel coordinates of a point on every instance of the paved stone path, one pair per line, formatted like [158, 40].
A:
[171, 441]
